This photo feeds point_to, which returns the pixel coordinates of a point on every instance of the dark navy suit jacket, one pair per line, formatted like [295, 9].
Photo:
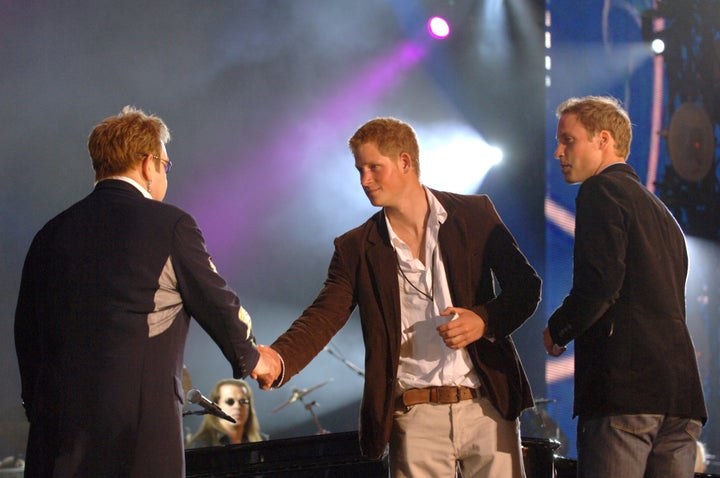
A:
[626, 308]
[107, 292]
[477, 249]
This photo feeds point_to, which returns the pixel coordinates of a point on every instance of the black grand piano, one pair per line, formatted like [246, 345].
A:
[337, 455]
[331, 455]
[326, 455]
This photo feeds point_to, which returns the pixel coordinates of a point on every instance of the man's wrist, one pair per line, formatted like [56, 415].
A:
[278, 381]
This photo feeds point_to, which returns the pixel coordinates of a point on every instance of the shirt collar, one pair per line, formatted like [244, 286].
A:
[611, 164]
[437, 216]
[436, 208]
[131, 181]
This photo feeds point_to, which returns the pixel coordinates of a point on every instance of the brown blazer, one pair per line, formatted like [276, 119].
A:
[475, 245]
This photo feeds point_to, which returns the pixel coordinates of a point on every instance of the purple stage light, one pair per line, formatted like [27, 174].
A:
[233, 206]
[438, 27]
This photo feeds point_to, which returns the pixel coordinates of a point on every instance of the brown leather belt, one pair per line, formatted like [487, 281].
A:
[443, 394]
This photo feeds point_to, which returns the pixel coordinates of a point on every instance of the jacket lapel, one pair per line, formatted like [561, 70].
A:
[382, 268]
[453, 246]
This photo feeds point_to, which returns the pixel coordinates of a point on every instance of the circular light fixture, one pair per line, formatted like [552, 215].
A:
[438, 27]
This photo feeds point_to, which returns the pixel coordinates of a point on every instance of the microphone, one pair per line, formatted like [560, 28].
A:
[194, 396]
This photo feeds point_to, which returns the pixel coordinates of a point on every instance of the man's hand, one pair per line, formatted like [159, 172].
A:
[551, 347]
[464, 328]
[268, 368]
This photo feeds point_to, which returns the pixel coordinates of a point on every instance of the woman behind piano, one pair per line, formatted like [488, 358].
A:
[235, 398]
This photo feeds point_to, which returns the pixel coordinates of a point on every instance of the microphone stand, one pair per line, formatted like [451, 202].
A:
[308, 407]
[194, 412]
[202, 412]
[338, 355]
[299, 395]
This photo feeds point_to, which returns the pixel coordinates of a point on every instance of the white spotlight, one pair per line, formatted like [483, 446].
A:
[438, 27]
[658, 46]
[454, 157]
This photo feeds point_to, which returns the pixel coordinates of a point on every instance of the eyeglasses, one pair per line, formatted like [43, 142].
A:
[167, 164]
[231, 401]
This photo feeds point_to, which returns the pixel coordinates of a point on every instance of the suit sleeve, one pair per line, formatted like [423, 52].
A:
[330, 311]
[519, 283]
[598, 262]
[210, 301]
[27, 337]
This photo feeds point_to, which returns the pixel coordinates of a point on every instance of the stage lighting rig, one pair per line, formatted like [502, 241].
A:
[689, 184]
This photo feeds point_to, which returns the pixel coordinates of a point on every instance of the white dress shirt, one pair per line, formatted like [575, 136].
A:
[425, 360]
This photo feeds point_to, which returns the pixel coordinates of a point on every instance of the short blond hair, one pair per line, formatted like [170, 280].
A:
[391, 136]
[597, 113]
[118, 142]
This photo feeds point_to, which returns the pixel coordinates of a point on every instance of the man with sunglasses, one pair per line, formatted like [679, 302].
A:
[107, 292]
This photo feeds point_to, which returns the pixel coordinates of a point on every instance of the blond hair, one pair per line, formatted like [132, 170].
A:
[391, 136]
[597, 113]
[119, 142]
[210, 429]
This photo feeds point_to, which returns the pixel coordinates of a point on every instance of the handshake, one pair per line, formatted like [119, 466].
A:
[269, 369]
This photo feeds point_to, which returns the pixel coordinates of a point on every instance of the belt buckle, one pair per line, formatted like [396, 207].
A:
[447, 394]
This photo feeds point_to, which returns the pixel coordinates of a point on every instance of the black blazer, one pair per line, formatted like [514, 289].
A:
[626, 309]
[476, 248]
[107, 292]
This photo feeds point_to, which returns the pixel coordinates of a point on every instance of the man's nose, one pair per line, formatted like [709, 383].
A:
[365, 178]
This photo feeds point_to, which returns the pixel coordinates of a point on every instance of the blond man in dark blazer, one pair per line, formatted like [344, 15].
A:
[107, 292]
[637, 387]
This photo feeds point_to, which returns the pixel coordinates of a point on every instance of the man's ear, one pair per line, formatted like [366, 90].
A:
[406, 163]
[604, 138]
[145, 170]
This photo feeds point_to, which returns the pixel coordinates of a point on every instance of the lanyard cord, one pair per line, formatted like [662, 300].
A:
[429, 296]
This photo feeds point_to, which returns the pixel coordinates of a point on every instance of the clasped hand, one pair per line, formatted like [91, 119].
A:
[268, 368]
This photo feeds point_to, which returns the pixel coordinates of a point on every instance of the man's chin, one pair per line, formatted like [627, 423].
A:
[374, 201]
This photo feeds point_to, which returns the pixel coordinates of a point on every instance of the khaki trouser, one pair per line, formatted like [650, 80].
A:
[432, 440]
